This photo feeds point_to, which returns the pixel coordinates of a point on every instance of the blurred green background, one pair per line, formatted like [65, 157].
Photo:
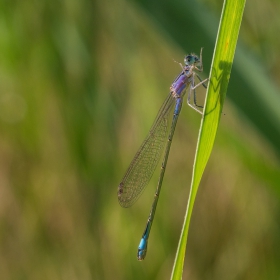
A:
[81, 82]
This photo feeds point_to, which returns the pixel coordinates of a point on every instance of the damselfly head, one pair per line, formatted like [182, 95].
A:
[191, 59]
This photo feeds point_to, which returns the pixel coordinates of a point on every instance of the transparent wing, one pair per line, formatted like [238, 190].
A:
[146, 159]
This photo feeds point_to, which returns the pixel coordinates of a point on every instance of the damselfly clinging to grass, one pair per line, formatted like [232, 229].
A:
[145, 161]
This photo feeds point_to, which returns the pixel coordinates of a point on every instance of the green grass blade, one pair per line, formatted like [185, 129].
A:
[219, 77]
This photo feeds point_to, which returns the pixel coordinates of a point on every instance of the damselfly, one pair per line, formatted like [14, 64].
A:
[146, 159]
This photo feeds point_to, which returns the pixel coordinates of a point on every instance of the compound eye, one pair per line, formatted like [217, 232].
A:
[187, 59]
